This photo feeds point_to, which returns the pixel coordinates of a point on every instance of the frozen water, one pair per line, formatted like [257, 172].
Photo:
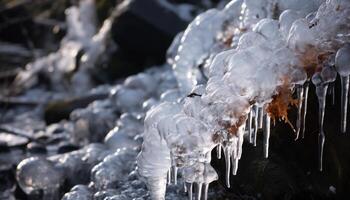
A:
[113, 170]
[78, 192]
[38, 174]
[231, 68]
[342, 65]
[270, 58]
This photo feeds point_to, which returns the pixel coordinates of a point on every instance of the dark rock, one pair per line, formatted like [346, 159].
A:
[7, 180]
[64, 148]
[143, 30]
[34, 147]
[3, 147]
[57, 110]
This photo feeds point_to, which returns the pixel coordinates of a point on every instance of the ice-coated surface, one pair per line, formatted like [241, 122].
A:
[199, 41]
[110, 173]
[35, 174]
[270, 58]
[78, 192]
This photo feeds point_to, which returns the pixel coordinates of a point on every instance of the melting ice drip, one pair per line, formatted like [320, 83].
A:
[250, 79]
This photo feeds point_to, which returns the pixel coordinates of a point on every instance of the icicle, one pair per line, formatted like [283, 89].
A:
[218, 151]
[240, 142]
[261, 116]
[206, 188]
[306, 94]
[250, 131]
[174, 174]
[344, 101]
[227, 154]
[185, 187]
[321, 137]
[321, 91]
[199, 190]
[321, 81]
[255, 125]
[331, 92]
[342, 65]
[234, 165]
[190, 190]
[169, 176]
[300, 91]
[266, 135]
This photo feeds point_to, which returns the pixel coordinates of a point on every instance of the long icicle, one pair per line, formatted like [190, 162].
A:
[331, 92]
[199, 191]
[227, 154]
[261, 116]
[300, 91]
[306, 94]
[342, 65]
[255, 125]
[250, 131]
[218, 151]
[321, 91]
[234, 165]
[236, 157]
[174, 174]
[169, 176]
[206, 188]
[267, 135]
[344, 101]
[190, 190]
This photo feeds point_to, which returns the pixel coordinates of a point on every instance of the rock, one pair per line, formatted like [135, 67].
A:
[36, 148]
[3, 147]
[142, 33]
[8, 182]
[11, 140]
[67, 147]
[55, 111]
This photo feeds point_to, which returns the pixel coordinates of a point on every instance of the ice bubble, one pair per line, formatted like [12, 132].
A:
[38, 174]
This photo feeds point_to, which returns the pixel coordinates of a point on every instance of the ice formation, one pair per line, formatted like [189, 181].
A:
[79, 51]
[237, 69]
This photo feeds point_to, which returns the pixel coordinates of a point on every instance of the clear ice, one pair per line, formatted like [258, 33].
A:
[342, 64]
[248, 52]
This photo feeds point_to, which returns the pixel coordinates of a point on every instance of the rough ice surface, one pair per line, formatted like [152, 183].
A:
[250, 54]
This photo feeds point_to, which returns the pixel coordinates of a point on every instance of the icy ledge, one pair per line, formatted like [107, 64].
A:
[247, 81]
